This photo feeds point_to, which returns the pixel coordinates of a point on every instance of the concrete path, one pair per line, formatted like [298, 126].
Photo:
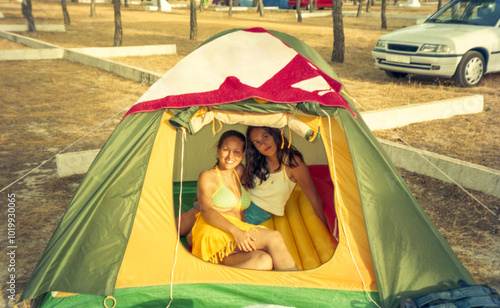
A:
[31, 54]
[119, 69]
[418, 18]
[127, 51]
[234, 9]
[415, 113]
[447, 169]
[26, 41]
[90, 56]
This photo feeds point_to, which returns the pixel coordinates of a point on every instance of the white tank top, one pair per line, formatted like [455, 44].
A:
[273, 193]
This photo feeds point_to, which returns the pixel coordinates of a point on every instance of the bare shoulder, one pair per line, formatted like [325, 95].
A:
[207, 180]
[300, 162]
[298, 172]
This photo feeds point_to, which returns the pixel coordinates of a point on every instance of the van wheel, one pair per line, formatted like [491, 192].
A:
[396, 74]
[470, 70]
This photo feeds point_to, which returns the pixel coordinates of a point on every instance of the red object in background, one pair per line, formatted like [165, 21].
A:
[320, 175]
[305, 3]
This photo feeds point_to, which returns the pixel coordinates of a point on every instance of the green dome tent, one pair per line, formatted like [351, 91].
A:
[118, 238]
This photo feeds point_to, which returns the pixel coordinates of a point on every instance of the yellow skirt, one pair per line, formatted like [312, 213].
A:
[211, 243]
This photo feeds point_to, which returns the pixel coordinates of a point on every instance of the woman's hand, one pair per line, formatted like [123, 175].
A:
[244, 240]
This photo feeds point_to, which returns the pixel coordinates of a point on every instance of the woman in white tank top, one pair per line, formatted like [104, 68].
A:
[274, 167]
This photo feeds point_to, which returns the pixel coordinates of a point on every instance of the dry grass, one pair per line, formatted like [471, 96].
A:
[7, 45]
[47, 105]
[58, 119]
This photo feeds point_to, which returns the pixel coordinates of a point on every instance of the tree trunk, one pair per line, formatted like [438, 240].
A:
[67, 20]
[260, 8]
[28, 14]
[360, 8]
[368, 6]
[382, 14]
[395, 2]
[159, 5]
[125, 2]
[313, 5]
[118, 23]
[92, 8]
[193, 33]
[338, 32]
[230, 8]
[202, 5]
[440, 4]
[299, 13]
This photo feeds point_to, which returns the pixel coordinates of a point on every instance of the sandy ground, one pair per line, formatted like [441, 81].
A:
[48, 105]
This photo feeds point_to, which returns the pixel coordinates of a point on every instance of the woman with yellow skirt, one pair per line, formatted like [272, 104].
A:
[219, 234]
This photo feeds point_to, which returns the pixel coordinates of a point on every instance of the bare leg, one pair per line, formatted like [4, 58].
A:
[189, 239]
[258, 259]
[272, 242]
[187, 221]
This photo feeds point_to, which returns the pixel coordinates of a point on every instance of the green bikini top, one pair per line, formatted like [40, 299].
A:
[224, 198]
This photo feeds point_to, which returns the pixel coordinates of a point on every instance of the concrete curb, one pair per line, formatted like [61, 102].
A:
[22, 28]
[75, 55]
[402, 116]
[235, 9]
[418, 18]
[119, 69]
[96, 1]
[268, 8]
[315, 14]
[377, 15]
[74, 162]
[127, 51]
[26, 41]
[466, 174]
[31, 54]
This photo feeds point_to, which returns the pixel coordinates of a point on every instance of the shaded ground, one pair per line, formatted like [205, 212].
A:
[48, 105]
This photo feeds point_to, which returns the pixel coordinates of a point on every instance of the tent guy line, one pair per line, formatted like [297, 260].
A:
[183, 140]
[431, 163]
[66, 148]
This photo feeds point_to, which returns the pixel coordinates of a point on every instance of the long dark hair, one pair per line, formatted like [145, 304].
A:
[256, 164]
